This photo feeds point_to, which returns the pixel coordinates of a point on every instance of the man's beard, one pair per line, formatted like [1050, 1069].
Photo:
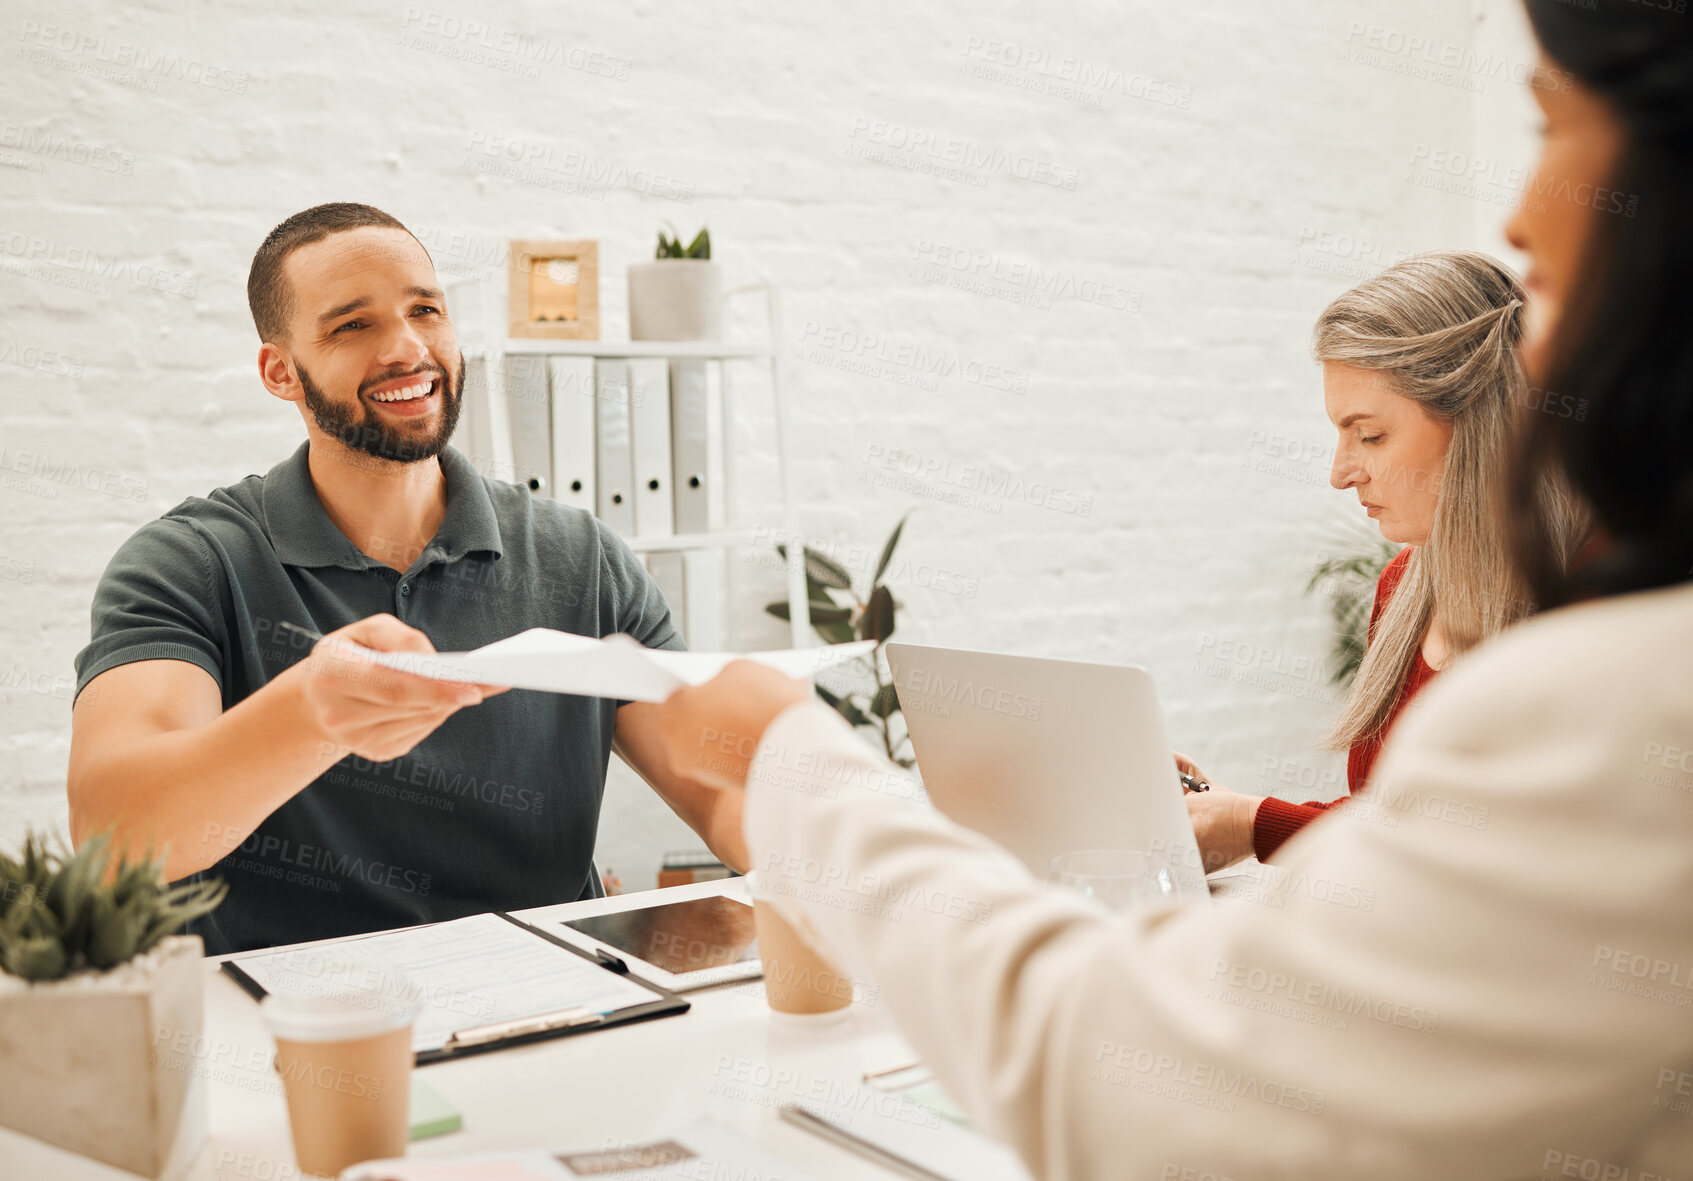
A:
[357, 427]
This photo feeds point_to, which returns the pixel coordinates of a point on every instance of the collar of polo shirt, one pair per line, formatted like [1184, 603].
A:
[303, 535]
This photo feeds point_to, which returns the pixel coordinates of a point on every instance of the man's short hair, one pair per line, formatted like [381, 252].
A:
[269, 296]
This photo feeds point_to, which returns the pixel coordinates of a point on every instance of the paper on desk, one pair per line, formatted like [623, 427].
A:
[905, 1136]
[466, 972]
[618, 666]
[705, 1148]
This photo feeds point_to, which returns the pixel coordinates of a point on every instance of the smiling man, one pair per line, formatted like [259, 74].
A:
[333, 795]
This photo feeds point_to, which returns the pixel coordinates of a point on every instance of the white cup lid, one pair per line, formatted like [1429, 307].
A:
[363, 1002]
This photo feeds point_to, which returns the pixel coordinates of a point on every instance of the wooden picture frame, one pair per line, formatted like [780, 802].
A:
[543, 303]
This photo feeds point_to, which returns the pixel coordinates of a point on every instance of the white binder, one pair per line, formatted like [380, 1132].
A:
[649, 406]
[690, 434]
[571, 383]
[703, 579]
[474, 435]
[666, 569]
[483, 434]
[525, 380]
[614, 461]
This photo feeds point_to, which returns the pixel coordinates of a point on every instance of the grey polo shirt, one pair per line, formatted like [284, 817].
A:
[497, 809]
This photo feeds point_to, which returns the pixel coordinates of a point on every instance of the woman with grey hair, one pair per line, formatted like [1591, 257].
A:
[1421, 375]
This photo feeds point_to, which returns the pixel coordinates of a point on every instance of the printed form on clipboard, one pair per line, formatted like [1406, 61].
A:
[482, 982]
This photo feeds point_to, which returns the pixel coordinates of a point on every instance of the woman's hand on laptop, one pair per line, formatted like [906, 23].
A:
[712, 731]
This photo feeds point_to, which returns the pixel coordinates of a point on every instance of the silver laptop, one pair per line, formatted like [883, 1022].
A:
[1047, 756]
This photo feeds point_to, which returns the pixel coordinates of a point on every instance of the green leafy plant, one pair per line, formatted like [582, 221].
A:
[1349, 581]
[61, 911]
[840, 616]
[672, 247]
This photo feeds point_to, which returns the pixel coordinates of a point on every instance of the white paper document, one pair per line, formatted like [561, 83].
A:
[619, 666]
[905, 1136]
[705, 1150]
[466, 973]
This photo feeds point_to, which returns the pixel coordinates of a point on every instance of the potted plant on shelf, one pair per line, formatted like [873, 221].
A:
[840, 616]
[679, 295]
[95, 987]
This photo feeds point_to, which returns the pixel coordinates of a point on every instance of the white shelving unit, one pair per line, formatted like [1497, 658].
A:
[731, 535]
[668, 350]
[686, 541]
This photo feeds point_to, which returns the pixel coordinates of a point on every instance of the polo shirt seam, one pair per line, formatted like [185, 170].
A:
[625, 603]
[603, 571]
[207, 573]
[153, 650]
[206, 545]
[634, 595]
[165, 649]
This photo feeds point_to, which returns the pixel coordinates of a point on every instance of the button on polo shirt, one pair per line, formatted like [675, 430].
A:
[495, 810]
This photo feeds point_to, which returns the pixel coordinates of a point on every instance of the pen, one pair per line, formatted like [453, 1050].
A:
[1193, 782]
[503, 1030]
[347, 647]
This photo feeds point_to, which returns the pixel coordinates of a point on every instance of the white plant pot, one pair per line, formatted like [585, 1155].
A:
[676, 299]
[88, 1062]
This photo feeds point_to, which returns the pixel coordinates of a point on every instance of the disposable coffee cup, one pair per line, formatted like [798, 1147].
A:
[797, 980]
[344, 1051]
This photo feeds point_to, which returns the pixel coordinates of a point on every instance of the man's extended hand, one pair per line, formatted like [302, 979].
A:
[375, 712]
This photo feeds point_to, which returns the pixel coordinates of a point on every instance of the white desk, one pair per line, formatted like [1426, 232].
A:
[725, 1057]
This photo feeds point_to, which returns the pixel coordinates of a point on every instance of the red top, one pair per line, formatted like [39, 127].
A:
[1277, 819]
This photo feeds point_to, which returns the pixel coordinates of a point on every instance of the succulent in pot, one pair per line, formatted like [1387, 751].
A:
[679, 295]
[95, 987]
[66, 912]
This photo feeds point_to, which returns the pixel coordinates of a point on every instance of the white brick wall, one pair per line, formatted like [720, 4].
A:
[1197, 188]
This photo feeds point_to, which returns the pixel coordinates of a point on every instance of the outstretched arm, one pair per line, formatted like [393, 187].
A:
[714, 814]
[156, 757]
[1370, 1018]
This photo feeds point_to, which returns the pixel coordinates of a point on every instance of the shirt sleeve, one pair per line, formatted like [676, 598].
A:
[1422, 993]
[639, 606]
[1277, 821]
[157, 600]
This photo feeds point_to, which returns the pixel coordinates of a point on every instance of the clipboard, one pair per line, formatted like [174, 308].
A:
[486, 1037]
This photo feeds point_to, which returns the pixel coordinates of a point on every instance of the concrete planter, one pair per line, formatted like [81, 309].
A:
[89, 1062]
[676, 299]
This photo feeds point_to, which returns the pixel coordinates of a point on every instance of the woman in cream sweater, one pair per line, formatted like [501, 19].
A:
[1517, 999]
